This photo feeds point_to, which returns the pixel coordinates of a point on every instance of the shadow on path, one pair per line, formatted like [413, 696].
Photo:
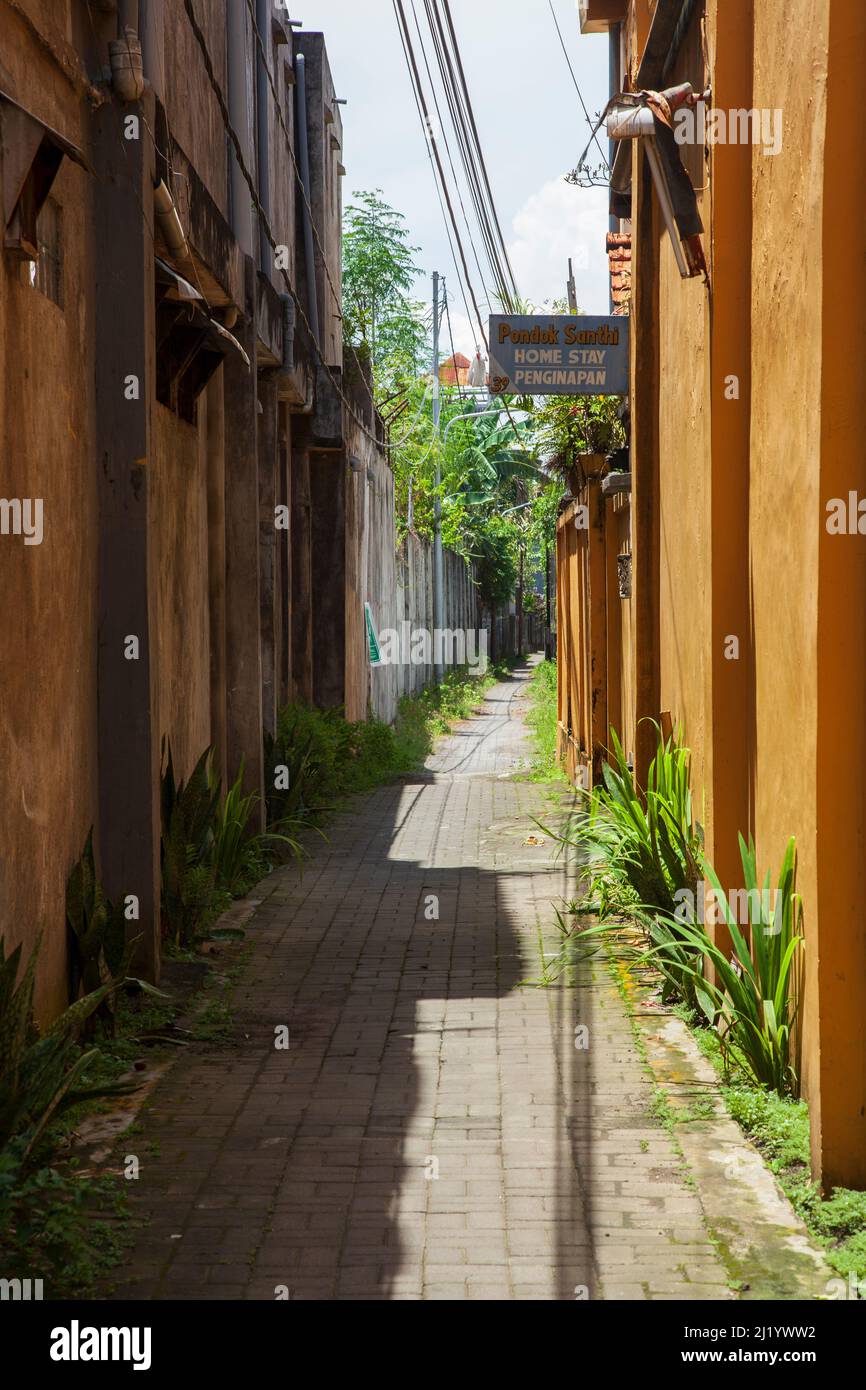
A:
[417, 1138]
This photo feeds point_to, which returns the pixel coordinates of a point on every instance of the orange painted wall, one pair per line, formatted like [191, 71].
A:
[779, 738]
[839, 1145]
[685, 543]
[787, 285]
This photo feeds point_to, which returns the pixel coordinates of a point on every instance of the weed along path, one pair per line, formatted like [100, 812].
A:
[392, 1112]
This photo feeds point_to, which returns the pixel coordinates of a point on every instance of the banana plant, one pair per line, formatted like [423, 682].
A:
[496, 454]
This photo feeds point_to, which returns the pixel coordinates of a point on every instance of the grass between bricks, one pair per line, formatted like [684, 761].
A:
[424, 718]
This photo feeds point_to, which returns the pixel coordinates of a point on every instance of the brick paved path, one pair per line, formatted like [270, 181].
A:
[432, 1131]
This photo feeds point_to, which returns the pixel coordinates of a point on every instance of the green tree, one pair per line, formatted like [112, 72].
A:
[379, 271]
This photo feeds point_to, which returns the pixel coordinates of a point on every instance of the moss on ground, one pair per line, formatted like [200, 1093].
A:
[778, 1126]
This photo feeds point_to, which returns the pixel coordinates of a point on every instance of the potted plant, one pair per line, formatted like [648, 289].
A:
[577, 433]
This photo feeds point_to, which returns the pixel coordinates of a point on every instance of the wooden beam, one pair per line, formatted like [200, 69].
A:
[124, 364]
[243, 606]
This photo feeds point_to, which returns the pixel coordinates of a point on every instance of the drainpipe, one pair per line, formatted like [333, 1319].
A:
[242, 205]
[284, 374]
[614, 86]
[263, 134]
[153, 45]
[304, 160]
[169, 222]
[127, 70]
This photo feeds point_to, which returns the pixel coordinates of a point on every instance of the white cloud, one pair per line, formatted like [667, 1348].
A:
[557, 222]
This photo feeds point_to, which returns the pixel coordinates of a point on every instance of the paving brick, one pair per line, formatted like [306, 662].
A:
[431, 1131]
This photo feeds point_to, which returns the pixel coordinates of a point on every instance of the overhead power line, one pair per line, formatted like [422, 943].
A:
[436, 183]
[592, 124]
[448, 148]
[429, 134]
[470, 169]
[465, 89]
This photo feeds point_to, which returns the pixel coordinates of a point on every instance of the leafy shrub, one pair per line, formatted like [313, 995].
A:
[235, 853]
[652, 848]
[51, 1221]
[47, 1217]
[778, 1124]
[306, 753]
[323, 758]
[239, 857]
[649, 842]
[843, 1214]
[210, 854]
[646, 852]
[567, 427]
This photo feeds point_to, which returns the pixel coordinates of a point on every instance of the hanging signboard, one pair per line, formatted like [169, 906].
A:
[558, 355]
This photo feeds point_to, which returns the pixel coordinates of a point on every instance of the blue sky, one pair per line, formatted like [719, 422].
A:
[531, 126]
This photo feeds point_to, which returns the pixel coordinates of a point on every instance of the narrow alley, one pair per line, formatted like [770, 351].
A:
[432, 679]
[431, 1131]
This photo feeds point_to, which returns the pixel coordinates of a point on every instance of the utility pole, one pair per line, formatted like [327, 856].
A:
[572, 289]
[438, 558]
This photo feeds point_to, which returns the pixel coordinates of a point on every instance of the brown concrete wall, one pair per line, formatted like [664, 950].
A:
[180, 554]
[48, 644]
[326, 142]
[181, 514]
[194, 116]
[729, 505]
[284, 180]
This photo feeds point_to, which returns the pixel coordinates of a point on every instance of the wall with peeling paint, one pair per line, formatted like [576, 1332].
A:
[180, 558]
[48, 632]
